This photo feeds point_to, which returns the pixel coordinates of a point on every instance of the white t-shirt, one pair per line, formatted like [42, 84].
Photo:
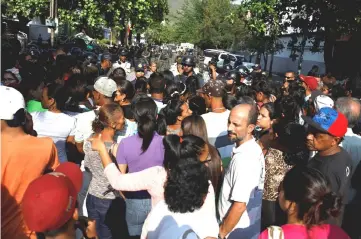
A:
[57, 126]
[216, 124]
[162, 223]
[83, 129]
[243, 182]
[125, 65]
[159, 104]
[352, 144]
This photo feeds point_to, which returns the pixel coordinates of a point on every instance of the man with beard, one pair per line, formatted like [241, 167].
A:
[240, 198]
[325, 132]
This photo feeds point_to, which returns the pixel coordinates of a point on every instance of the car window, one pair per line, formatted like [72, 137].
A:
[240, 58]
[223, 56]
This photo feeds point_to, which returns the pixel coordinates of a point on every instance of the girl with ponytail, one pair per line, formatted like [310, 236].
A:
[183, 159]
[308, 201]
[100, 194]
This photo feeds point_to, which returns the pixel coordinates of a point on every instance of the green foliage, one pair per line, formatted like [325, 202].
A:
[263, 22]
[95, 13]
[208, 24]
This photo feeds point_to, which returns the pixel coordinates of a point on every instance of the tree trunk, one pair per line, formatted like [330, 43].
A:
[271, 65]
[328, 50]
[258, 58]
[300, 60]
[265, 61]
[138, 37]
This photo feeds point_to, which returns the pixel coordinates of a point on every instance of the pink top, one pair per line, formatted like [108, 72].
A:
[324, 231]
[151, 179]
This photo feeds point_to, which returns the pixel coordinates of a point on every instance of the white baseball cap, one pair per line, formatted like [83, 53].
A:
[11, 101]
[105, 86]
[322, 101]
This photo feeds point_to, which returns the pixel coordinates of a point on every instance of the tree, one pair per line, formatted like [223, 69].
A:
[317, 20]
[262, 20]
[95, 13]
[208, 24]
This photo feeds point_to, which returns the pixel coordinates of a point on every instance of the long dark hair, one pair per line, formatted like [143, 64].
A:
[176, 147]
[195, 125]
[313, 196]
[59, 94]
[270, 107]
[192, 85]
[127, 88]
[145, 114]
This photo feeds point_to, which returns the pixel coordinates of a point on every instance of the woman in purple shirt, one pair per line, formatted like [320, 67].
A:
[139, 152]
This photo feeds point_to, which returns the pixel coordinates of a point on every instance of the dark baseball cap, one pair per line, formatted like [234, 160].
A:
[139, 67]
[213, 88]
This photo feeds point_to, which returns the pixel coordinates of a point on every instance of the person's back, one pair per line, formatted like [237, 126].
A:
[23, 159]
[324, 231]
[216, 124]
[44, 123]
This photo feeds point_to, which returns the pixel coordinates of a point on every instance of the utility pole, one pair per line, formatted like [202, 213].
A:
[53, 16]
[52, 33]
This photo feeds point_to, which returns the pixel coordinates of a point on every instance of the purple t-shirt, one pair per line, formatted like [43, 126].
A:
[130, 153]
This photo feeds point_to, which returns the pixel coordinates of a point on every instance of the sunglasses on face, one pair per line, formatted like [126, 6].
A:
[186, 66]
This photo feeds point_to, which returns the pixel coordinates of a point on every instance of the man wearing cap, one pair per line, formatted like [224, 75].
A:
[310, 84]
[325, 132]
[217, 117]
[123, 63]
[138, 72]
[105, 64]
[49, 205]
[23, 158]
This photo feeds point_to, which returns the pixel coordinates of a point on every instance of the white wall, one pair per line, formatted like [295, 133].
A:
[282, 61]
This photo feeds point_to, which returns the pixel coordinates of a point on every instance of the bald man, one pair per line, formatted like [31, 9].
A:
[241, 194]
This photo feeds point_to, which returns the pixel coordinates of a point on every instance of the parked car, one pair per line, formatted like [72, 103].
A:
[210, 53]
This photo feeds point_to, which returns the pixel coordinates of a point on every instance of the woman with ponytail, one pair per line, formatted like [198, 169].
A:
[308, 201]
[136, 153]
[101, 197]
[179, 154]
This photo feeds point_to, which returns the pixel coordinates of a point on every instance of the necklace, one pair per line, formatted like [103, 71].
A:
[220, 108]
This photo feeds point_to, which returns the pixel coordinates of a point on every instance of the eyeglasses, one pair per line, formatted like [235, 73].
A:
[186, 66]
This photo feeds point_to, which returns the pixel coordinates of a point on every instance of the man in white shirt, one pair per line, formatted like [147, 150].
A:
[103, 90]
[156, 89]
[216, 118]
[123, 63]
[240, 199]
[351, 108]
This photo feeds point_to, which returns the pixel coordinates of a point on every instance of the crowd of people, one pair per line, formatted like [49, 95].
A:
[117, 150]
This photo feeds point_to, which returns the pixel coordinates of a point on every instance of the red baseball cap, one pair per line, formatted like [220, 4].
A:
[49, 201]
[310, 81]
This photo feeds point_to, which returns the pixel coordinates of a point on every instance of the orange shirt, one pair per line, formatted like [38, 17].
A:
[22, 160]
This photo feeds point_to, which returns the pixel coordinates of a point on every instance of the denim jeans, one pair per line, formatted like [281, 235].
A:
[109, 215]
[137, 211]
